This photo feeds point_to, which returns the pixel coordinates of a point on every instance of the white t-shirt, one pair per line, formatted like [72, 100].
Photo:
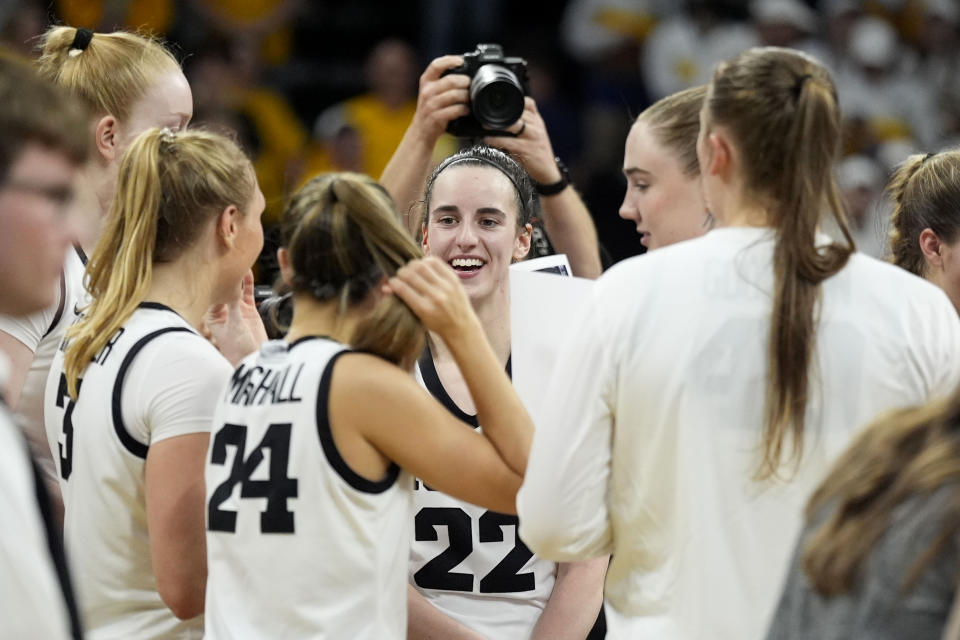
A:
[156, 379]
[298, 544]
[42, 333]
[653, 429]
[469, 562]
[31, 598]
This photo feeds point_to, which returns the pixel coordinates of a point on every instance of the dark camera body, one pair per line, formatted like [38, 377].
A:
[497, 88]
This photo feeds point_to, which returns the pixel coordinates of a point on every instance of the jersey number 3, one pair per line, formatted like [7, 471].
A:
[66, 438]
[437, 574]
[277, 518]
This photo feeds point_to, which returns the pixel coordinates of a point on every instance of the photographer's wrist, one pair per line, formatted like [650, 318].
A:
[558, 185]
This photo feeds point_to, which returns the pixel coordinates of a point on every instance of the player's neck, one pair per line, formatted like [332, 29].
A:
[185, 287]
[313, 318]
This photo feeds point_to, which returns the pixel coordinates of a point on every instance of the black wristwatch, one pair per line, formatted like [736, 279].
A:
[558, 186]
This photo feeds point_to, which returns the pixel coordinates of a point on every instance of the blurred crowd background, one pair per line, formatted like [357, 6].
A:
[310, 86]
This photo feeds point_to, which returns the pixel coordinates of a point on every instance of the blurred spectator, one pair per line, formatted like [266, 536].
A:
[229, 96]
[265, 26]
[21, 23]
[382, 114]
[878, 90]
[153, 16]
[861, 181]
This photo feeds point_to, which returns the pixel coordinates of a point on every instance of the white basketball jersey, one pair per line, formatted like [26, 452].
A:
[42, 333]
[469, 562]
[155, 379]
[298, 545]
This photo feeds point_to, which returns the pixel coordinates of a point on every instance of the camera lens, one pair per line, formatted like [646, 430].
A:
[496, 97]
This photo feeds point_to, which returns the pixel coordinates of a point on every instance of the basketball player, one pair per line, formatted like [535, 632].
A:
[129, 403]
[925, 223]
[470, 572]
[128, 83]
[42, 145]
[316, 437]
[710, 384]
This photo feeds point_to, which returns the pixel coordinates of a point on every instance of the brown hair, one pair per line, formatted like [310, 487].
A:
[675, 123]
[925, 191]
[912, 452]
[343, 236]
[111, 73]
[780, 107]
[169, 187]
[34, 111]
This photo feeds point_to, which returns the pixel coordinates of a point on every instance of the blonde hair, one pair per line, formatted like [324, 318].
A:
[925, 191]
[343, 237]
[780, 106]
[675, 123]
[910, 453]
[169, 187]
[111, 73]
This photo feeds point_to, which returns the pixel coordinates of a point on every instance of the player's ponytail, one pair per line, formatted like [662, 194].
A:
[781, 108]
[343, 238]
[109, 72]
[169, 188]
[925, 192]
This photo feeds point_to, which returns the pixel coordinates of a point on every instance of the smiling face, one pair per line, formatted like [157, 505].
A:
[664, 202]
[472, 226]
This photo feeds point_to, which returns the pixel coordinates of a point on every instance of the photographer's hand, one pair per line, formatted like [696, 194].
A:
[565, 217]
[440, 100]
[531, 147]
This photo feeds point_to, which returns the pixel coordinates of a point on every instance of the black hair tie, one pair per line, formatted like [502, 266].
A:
[82, 39]
[927, 157]
[798, 86]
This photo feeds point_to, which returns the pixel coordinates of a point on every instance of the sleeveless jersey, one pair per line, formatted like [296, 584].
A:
[42, 333]
[469, 562]
[155, 379]
[298, 545]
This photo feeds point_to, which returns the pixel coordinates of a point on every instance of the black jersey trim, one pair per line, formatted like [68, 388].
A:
[330, 450]
[303, 339]
[63, 301]
[80, 254]
[428, 371]
[130, 443]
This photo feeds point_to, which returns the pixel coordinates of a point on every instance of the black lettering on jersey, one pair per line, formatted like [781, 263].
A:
[436, 574]
[66, 441]
[277, 518]
[104, 353]
[257, 385]
[417, 484]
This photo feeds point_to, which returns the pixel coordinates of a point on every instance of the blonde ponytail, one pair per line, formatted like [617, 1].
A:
[169, 187]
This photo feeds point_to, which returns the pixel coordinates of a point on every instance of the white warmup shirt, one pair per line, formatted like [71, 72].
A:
[298, 544]
[470, 563]
[31, 598]
[156, 379]
[655, 412]
[42, 333]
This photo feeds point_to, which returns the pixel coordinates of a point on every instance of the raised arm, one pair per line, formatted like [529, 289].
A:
[408, 426]
[567, 221]
[440, 100]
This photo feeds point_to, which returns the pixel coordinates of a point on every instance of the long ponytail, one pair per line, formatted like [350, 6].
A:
[781, 107]
[169, 186]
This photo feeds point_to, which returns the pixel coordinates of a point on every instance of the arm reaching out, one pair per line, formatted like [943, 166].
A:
[440, 100]
[565, 217]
